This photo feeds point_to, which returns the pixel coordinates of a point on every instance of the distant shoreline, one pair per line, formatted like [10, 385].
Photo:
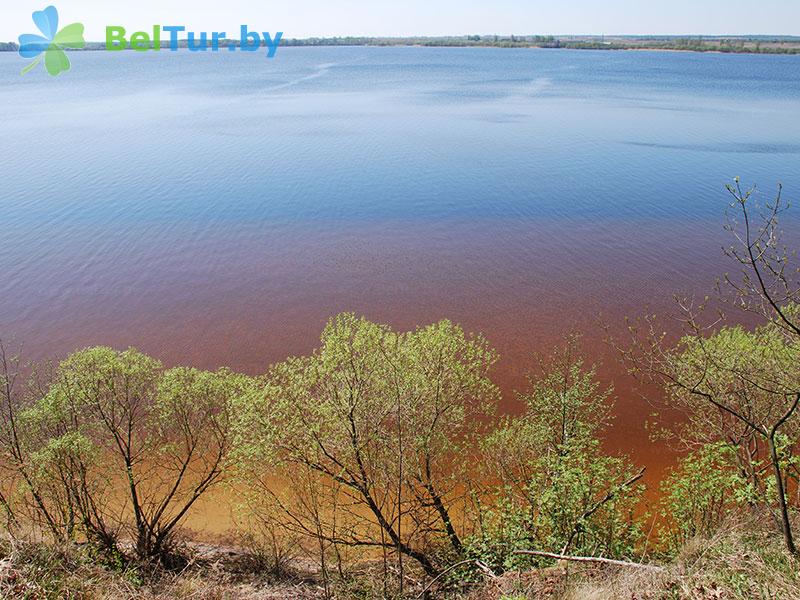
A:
[718, 44]
[715, 44]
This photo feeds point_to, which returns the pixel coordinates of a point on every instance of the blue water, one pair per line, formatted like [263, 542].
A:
[216, 208]
[370, 133]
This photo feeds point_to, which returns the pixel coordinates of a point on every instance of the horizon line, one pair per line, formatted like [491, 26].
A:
[526, 35]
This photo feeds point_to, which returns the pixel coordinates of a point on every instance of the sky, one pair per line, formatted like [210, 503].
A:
[304, 18]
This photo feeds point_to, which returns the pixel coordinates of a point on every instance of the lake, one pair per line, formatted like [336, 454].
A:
[216, 209]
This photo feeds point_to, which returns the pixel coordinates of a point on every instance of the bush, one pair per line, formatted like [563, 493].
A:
[113, 421]
[701, 494]
[558, 492]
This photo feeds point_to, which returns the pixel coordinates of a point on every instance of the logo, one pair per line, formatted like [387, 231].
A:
[214, 41]
[51, 43]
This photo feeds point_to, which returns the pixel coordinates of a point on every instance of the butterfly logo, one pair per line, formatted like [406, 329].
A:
[51, 43]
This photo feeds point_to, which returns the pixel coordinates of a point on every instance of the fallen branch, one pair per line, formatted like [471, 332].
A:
[590, 559]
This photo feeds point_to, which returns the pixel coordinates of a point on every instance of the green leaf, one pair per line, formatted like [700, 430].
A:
[55, 60]
[70, 36]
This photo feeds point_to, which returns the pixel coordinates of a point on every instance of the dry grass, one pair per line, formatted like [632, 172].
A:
[742, 562]
[39, 572]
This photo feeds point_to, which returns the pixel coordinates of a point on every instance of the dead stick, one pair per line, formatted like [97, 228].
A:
[589, 559]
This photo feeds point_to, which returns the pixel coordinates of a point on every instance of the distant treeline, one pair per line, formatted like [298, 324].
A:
[760, 44]
[734, 44]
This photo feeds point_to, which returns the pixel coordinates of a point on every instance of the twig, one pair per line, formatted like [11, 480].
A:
[589, 559]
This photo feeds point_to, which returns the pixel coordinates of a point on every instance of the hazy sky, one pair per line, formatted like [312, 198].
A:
[302, 18]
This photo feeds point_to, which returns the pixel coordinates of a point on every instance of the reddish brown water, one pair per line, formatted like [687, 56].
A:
[523, 287]
[405, 274]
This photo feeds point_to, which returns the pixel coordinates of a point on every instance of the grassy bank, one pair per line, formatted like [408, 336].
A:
[742, 561]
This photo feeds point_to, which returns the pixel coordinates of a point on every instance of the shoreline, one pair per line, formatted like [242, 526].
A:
[790, 47]
[794, 52]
